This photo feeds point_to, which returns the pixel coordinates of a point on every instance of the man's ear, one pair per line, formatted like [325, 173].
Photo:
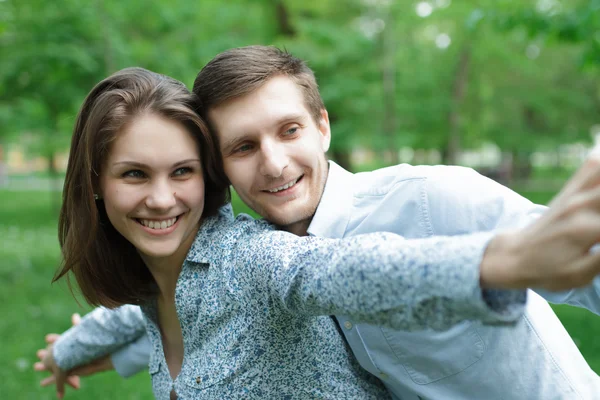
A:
[325, 130]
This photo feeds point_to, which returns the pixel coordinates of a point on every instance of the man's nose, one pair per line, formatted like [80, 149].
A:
[274, 160]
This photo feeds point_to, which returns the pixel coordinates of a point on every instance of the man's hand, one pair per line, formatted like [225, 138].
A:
[72, 377]
[554, 252]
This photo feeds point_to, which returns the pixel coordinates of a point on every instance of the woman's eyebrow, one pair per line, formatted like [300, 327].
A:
[138, 164]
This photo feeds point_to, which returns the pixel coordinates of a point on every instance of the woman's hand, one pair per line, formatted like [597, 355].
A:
[47, 363]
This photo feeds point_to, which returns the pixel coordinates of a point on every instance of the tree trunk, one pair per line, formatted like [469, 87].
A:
[55, 186]
[108, 53]
[521, 165]
[342, 157]
[459, 88]
[3, 169]
[389, 92]
[283, 20]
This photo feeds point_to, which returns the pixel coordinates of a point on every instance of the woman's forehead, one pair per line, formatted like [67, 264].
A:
[155, 137]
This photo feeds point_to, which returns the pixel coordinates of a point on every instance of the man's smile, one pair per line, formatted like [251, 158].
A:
[289, 185]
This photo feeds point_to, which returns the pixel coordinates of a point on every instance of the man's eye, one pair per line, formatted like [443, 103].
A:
[182, 171]
[134, 173]
[291, 131]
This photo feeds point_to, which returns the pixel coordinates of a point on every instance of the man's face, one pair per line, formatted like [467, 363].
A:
[274, 152]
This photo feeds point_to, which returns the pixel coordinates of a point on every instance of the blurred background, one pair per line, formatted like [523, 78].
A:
[508, 87]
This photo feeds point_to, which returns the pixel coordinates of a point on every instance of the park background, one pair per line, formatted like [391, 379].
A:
[509, 87]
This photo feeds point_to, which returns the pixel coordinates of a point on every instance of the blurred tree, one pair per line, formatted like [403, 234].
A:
[544, 97]
[434, 74]
[52, 59]
[56, 51]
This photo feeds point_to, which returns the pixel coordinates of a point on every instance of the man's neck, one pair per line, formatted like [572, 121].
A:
[299, 228]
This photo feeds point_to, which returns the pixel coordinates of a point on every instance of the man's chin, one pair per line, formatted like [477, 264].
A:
[296, 222]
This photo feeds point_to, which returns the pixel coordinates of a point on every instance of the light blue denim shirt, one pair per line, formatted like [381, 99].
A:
[254, 306]
[536, 359]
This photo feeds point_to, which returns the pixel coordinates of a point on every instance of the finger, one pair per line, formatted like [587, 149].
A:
[75, 319]
[60, 386]
[590, 267]
[51, 337]
[41, 353]
[576, 275]
[582, 229]
[47, 381]
[586, 176]
[74, 382]
[585, 198]
[39, 366]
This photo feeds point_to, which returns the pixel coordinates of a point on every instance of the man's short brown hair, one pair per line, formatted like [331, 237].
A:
[240, 71]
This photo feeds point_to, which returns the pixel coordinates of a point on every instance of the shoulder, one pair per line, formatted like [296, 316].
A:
[387, 179]
[460, 200]
[221, 235]
[407, 178]
[434, 178]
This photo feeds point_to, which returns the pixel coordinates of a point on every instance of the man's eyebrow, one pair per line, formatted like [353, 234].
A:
[290, 118]
[226, 146]
[142, 165]
[282, 120]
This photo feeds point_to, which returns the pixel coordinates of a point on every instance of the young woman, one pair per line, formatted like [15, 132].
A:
[233, 308]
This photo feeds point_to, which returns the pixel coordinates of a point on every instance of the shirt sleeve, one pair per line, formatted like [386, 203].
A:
[132, 358]
[587, 297]
[100, 332]
[381, 278]
[461, 200]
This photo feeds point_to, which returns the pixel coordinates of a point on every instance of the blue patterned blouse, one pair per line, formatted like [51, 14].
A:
[254, 306]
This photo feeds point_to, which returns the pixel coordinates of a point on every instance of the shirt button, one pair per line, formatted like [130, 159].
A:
[198, 380]
[348, 325]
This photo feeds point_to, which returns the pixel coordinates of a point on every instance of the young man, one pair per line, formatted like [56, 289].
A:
[273, 131]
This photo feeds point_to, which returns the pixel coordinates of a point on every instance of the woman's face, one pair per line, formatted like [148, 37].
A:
[153, 188]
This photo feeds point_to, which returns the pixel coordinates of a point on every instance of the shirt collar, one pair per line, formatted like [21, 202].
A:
[208, 234]
[333, 211]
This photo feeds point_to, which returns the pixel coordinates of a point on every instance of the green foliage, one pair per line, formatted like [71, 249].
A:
[511, 72]
[571, 22]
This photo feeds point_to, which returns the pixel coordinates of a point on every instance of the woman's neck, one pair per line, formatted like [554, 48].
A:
[166, 270]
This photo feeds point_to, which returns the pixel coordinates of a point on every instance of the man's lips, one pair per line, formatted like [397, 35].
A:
[286, 186]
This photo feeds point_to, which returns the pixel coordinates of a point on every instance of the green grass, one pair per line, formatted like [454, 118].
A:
[31, 307]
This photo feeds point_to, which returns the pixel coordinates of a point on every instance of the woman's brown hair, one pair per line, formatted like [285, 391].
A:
[107, 268]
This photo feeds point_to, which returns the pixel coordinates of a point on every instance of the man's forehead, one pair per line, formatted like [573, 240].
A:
[257, 113]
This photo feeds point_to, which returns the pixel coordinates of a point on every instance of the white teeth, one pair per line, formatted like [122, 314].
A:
[158, 224]
[286, 186]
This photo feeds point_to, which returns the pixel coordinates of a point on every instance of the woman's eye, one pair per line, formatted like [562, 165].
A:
[243, 148]
[182, 171]
[134, 173]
